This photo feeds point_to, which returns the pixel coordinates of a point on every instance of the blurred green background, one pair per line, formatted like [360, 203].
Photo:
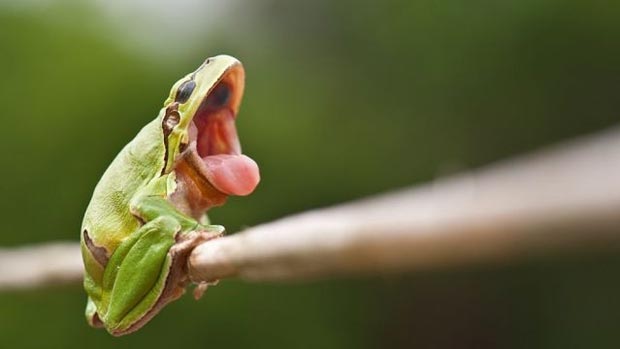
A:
[343, 99]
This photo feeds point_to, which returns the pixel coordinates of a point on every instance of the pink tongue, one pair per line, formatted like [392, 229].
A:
[232, 174]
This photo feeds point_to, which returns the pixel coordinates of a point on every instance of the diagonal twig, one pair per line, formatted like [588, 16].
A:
[566, 197]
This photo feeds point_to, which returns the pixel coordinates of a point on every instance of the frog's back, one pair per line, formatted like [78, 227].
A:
[108, 218]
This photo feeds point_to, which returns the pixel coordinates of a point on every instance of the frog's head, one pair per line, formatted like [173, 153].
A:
[199, 126]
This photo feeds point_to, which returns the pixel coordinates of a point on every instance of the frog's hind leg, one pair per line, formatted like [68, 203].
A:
[136, 273]
[147, 271]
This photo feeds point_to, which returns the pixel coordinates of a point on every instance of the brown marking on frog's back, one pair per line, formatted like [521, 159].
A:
[98, 252]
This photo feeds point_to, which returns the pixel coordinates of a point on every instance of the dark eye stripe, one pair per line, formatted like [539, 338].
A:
[185, 91]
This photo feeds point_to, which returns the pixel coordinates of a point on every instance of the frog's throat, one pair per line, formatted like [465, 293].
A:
[212, 126]
[194, 194]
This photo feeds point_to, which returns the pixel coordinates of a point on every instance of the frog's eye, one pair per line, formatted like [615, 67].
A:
[185, 91]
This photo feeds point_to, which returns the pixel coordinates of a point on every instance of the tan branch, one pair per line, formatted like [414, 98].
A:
[564, 198]
[40, 265]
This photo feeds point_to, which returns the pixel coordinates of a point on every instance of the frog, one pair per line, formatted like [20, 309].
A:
[149, 209]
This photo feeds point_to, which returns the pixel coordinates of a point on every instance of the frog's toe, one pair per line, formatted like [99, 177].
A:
[92, 317]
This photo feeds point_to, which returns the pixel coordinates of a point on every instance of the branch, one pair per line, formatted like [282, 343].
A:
[565, 198]
[42, 265]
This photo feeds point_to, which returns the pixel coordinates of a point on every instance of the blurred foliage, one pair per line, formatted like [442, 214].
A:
[343, 99]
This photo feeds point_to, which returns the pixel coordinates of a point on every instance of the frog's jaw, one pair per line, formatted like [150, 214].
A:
[179, 110]
[217, 144]
[213, 136]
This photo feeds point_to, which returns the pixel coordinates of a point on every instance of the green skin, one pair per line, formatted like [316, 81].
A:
[135, 239]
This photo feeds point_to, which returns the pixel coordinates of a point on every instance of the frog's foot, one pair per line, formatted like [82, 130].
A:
[91, 314]
[179, 254]
[201, 288]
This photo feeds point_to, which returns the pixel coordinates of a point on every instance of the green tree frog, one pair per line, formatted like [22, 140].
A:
[148, 210]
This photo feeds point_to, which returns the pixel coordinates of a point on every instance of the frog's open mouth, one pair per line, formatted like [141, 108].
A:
[214, 135]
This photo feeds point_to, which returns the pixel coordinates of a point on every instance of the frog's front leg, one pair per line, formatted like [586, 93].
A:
[149, 207]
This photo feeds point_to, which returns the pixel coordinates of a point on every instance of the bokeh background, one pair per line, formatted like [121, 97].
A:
[343, 99]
